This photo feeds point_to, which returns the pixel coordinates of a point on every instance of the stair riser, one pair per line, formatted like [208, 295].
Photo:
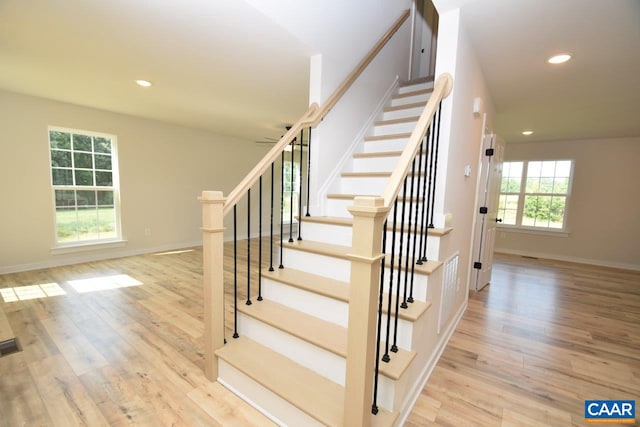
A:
[363, 185]
[397, 144]
[338, 207]
[339, 269]
[401, 114]
[394, 128]
[322, 307]
[415, 87]
[340, 235]
[410, 100]
[382, 164]
[262, 398]
[320, 361]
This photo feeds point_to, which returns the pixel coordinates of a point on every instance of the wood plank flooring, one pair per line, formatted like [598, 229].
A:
[531, 347]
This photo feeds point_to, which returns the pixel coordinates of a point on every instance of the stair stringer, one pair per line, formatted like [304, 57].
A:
[332, 182]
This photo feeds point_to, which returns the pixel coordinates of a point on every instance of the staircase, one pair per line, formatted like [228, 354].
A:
[289, 360]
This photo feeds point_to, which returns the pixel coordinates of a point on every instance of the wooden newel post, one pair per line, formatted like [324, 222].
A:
[212, 257]
[368, 218]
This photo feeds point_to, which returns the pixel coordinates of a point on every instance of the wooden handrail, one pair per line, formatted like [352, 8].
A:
[441, 89]
[312, 117]
[259, 169]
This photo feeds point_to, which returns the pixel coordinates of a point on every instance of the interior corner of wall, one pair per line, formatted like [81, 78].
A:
[315, 78]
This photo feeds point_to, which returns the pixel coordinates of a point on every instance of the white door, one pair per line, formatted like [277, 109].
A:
[491, 175]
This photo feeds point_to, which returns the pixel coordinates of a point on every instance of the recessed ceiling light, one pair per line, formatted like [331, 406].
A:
[527, 132]
[143, 83]
[559, 59]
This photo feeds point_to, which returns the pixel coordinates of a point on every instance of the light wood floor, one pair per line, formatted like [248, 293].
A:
[531, 347]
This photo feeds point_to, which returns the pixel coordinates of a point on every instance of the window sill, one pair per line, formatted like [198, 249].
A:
[86, 247]
[548, 233]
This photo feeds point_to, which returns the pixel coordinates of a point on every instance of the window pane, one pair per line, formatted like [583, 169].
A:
[103, 162]
[534, 168]
[561, 185]
[107, 223]
[509, 217]
[548, 169]
[102, 145]
[533, 185]
[546, 185]
[82, 160]
[84, 177]
[62, 176]
[104, 179]
[81, 143]
[86, 198]
[65, 198]
[61, 158]
[105, 198]
[87, 223]
[544, 211]
[66, 224]
[515, 170]
[59, 139]
[513, 186]
[563, 168]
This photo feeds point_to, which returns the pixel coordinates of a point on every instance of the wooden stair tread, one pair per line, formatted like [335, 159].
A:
[417, 81]
[348, 222]
[404, 106]
[320, 285]
[377, 154]
[345, 196]
[397, 121]
[339, 251]
[311, 393]
[326, 335]
[321, 333]
[412, 93]
[385, 137]
[337, 290]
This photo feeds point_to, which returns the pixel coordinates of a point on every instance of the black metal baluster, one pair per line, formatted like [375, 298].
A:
[426, 196]
[260, 242]
[394, 347]
[415, 222]
[435, 167]
[271, 225]
[235, 274]
[281, 206]
[308, 168]
[293, 150]
[406, 258]
[248, 247]
[374, 405]
[386, 357]
[300, 186]
[422, 181]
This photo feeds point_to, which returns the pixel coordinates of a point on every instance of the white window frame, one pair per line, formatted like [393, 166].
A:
[64, 246]
[295, 186]
[518, 226]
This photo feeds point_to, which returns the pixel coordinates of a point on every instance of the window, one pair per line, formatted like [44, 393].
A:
[84, 177]
[534, 194]
[291, 190]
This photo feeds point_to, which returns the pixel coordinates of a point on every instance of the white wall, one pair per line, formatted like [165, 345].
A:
[163, 169]
[604, 212]
[463, 131]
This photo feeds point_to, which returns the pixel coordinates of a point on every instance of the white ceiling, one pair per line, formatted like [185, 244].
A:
[224, 66]
[596, 94]
[215, 64]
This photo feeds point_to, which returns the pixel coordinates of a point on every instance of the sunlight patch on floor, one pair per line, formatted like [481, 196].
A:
[24, 293]
[104, 283]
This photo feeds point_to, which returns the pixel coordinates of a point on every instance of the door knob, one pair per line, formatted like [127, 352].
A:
[498, 219]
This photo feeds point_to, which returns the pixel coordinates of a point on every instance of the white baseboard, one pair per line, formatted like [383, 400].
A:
[95, 256]
[412, 397]
[601, 263]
